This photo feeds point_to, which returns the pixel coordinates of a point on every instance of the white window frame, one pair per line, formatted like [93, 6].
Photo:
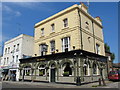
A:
[53, 27]
[97, 48]
[65, 22]
[41, 49]
[18, 45]
[42, 32]
[5, 50]
[65, 45]
[52, 48]
[8, 49]
[17, 59]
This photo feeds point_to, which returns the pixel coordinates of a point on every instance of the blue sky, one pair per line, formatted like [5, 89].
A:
[20, 17]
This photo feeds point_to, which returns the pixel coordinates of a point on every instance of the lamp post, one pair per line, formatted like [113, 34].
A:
[78, 80]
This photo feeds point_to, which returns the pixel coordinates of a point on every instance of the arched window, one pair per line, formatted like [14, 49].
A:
[86, 68]
[67, 70]
[27, 70]
[41, 70]
[94, 68]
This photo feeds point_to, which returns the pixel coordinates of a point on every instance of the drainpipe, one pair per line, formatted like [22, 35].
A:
[93, 36]
[80, 29]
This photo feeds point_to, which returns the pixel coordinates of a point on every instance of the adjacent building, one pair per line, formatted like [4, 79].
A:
[15, 49]
[67, 46]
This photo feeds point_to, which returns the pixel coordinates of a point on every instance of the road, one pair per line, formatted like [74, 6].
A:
[10, 84]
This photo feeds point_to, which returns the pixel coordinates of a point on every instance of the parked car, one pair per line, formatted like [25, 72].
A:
[114, 75]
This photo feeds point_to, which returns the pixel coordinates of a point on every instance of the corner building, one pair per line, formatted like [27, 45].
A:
[67, 45]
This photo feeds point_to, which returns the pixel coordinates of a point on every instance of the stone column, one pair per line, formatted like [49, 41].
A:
[57, 69]
[23, 73]
[81, 67]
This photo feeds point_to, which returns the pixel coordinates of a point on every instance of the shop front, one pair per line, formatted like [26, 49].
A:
[64, 67]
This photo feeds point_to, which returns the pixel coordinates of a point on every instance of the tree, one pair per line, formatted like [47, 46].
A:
[107, 47]
[112, 57]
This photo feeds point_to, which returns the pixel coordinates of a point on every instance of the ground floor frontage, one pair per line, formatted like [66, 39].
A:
[10, 73]
[68, 67]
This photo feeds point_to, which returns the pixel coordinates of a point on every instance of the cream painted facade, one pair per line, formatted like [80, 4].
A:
[76, 38]
[84, 31]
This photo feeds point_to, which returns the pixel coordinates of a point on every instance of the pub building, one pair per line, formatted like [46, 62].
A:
[68, 48]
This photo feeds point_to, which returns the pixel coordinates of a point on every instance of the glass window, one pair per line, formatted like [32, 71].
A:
[17, 47]
[41, 70]
[67, 69]
[65, 22]
[8, 49]
[53, 27]
[16, 58]
[13, 59]
[4, 60]
[7, 60]
[97, 48]
[66, 44]
[52, 43]
[94, 68]
[43, 49]
[42, 32]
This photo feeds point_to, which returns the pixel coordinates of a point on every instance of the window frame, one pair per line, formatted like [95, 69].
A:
[53, 27]
[65, 21]
[42, 32]
[65, 44]
[52, 47]
[97, 48]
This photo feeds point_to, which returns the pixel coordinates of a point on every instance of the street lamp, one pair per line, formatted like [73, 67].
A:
[78, 80]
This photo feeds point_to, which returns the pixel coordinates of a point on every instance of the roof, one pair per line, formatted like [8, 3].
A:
[116, 65]
[75, 6]
[16, 38]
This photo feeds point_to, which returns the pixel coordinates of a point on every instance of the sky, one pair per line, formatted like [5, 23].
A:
[20, 17]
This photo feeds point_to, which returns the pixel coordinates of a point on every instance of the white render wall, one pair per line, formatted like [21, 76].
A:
[25, 48]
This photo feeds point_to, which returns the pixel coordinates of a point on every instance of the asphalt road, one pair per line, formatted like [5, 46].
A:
[10, 84]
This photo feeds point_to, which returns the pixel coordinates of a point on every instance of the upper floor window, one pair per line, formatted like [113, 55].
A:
[16, 58]
[14, 47]
[65, 22]
[87, 25]
[43, 49]
[5, 50]
[42, 32]
[53, 27]
[4, 60]
[17, 47]
[66, 44]
[7, 60]
[52, 43]
[8, 49]
[13, 58]
[97, 48]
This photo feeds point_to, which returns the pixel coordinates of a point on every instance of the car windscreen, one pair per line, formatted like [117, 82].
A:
[113, 73]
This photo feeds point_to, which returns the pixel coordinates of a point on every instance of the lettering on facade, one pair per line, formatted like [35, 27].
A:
[41, 59]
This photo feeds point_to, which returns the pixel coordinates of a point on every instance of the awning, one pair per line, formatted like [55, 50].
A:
[5, 70]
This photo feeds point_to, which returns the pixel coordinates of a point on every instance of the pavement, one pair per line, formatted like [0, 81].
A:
[11, 84]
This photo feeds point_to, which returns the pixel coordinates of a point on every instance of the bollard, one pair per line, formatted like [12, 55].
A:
[99, 82]
[78, 81]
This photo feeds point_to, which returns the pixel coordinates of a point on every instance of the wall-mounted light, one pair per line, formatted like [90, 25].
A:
[57, 50]
[73, 47]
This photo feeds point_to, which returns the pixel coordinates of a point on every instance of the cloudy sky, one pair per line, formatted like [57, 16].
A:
[20, 17]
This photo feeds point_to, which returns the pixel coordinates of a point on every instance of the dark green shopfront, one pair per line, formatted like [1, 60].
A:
[64, 67]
